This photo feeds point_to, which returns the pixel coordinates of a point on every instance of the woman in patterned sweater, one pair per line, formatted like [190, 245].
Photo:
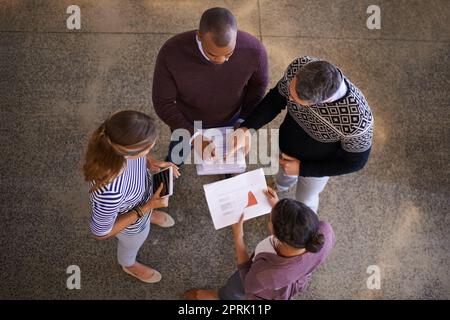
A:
[327, 130]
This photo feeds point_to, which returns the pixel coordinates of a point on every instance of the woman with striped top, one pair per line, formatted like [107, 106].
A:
[118, 166]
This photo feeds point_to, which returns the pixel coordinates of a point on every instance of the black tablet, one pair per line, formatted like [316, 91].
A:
[164, 176]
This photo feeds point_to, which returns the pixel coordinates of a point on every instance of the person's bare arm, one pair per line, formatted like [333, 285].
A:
[123, 221]
[239, 244]
[130, 217]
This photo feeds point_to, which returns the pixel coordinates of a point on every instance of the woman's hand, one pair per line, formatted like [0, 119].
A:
[272, 196]
[239, 244]
[238, 228]
[157, 165]
[176, 170]
[156, 201]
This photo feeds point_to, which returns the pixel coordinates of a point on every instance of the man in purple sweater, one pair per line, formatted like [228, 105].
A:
[283, 263]
[216, 75]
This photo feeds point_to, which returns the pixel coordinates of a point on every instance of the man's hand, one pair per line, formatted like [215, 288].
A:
[272, 196]
[240, 138]
[205, 147]
[290, 165]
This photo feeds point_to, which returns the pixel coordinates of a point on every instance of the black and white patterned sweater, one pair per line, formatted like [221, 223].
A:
[329, 139]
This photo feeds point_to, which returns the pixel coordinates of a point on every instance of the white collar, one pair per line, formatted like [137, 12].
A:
[340, 93]
[199, 43]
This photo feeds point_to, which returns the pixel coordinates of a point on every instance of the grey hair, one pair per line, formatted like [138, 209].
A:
[317, 81]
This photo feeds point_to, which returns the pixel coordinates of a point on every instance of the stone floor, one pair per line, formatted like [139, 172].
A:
[57, 85]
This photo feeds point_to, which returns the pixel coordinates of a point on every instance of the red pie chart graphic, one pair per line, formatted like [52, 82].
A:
[251, 200]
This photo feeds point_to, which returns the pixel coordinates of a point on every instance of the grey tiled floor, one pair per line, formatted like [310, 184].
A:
[57, 85]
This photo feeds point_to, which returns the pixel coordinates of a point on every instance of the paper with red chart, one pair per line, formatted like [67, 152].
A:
[228, 199]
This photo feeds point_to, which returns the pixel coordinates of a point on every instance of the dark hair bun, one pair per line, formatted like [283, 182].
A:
[315, 244]
[295, 224]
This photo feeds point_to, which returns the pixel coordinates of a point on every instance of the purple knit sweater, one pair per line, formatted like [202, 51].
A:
[273, 277]
[187, 87]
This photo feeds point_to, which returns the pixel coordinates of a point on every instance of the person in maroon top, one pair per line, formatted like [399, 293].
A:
[282, 264]
[217, 75]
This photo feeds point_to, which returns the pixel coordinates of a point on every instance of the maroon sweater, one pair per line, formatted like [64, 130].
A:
[272, 277]
[187, 87]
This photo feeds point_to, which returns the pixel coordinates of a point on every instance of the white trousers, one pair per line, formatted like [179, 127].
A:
[129, 245]
[308, 188]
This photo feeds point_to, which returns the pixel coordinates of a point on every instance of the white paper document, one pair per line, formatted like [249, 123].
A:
[228, 199]
[219, 166]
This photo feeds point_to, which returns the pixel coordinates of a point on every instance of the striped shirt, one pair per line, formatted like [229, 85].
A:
[133, 187]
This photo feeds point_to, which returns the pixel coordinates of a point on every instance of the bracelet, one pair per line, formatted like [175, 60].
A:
[139, 210]
[137, 213]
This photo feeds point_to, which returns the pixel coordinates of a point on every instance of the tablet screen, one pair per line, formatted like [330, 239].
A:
[162, 177]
